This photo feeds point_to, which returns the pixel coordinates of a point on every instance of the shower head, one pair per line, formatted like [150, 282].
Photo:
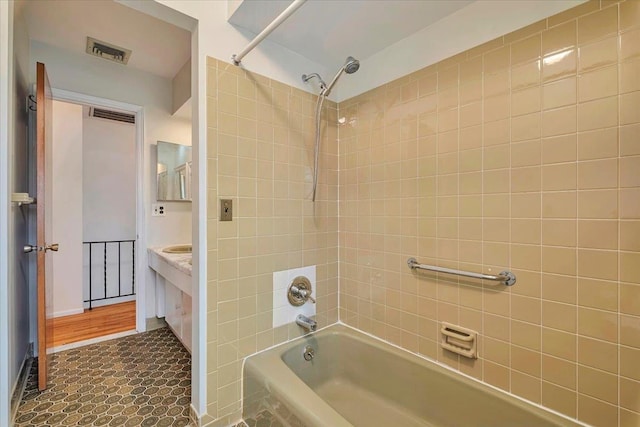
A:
[351, 65]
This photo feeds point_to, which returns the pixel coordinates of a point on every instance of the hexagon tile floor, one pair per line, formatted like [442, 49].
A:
[139, 380]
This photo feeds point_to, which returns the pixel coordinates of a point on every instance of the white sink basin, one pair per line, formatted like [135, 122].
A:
[178, 249]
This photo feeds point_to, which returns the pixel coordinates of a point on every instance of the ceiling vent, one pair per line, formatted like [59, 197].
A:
[107, 51]
[112, 115]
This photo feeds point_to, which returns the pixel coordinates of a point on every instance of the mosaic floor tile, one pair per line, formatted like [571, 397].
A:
[139, 380]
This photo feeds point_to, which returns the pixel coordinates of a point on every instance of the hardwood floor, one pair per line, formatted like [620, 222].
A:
[100, 321]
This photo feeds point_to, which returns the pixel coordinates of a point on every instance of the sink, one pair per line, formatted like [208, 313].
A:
[177, 249]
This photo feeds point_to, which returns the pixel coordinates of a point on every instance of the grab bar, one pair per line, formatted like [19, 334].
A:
[506, 277]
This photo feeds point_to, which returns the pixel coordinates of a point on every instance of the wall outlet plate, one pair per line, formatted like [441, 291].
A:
[158, 209]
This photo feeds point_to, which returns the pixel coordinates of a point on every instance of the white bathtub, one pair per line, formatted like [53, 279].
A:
[356, 380]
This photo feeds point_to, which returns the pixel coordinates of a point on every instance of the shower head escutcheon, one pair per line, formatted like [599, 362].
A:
[307, 77]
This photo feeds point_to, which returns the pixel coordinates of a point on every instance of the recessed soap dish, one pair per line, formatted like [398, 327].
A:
[459, 340]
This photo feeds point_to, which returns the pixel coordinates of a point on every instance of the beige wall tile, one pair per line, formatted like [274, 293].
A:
[600, 113]
[629, 331]
[526, 50]
[560, 204]
[629, 15]
[628, 362]
[559, 38]
[558, 260]
[559, 93]
[629, 390]
[630, 235]
[630, 267]
[598, 384]
[559, 344]
[559, 399]
[559, 149]
[628, 108]
[598, 324]
[559, 65]
[596, 412]
[628, 45]
[559, 316]
[630, 171]
[598, 25]
[526, 309]
[598, 234]
[497, 60]
[598, 144]
[559, 232]
[526, 361]
[559, 371]
[525, 75]
[598, 54]
[559, 177]
[598, 174]
[598, 204]
[559, 288]
[570, 14]
[599, 83]
[629, 203]
[600, 294]
[597, 354]
[560, 121]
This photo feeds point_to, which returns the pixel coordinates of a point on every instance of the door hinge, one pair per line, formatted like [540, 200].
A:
[32, 104]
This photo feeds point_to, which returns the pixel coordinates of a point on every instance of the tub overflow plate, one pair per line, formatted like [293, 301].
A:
[308, 353]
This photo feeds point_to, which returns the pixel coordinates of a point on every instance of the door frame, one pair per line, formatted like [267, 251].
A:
[6, 70]
[141, 231]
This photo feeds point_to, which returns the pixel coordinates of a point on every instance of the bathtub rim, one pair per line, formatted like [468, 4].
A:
[402, 352]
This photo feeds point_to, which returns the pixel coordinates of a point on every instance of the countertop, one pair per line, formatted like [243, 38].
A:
[181, 262]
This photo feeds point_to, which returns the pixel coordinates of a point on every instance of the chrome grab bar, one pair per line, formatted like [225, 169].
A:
[506, 277]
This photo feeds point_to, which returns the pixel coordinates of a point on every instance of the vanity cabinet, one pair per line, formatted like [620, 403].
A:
[178, 313]
[173, 292]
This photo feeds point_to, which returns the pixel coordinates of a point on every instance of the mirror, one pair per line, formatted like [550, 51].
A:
[173, 172]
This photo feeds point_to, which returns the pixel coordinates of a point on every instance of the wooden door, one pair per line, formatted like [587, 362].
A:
[43, 221]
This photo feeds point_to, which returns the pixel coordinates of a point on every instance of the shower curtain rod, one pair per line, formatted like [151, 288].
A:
[268, 29]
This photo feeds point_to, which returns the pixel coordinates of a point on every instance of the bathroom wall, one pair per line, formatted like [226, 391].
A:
[519, 154]
[260, 154]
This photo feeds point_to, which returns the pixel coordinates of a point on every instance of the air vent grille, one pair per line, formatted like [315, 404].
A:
[107, 51]
[112, 115]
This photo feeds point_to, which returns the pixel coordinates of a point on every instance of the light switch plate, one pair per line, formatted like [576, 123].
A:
[226, 209]
[158, 209]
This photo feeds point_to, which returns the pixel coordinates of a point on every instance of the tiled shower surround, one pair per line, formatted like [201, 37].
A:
[521, 154]
[260, 152]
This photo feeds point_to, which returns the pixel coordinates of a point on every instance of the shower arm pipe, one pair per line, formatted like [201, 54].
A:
[268, 30]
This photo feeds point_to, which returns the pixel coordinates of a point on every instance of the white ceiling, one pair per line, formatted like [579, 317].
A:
[157, 46]
[327, 31]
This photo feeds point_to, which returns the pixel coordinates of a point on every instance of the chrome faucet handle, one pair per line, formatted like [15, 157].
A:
[300, 291]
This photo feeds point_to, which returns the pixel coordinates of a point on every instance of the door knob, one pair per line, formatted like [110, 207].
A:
[29, 248]
[53, 247]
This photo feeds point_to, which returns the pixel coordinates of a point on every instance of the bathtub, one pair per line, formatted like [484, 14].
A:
[357, 380]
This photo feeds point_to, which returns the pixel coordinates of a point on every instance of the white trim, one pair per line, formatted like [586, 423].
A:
[199, 228]
[90, 341]
[21, 384]
[6, 54]
[141, 242]
[68, 312]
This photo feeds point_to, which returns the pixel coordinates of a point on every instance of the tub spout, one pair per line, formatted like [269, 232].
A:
[309, 324]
